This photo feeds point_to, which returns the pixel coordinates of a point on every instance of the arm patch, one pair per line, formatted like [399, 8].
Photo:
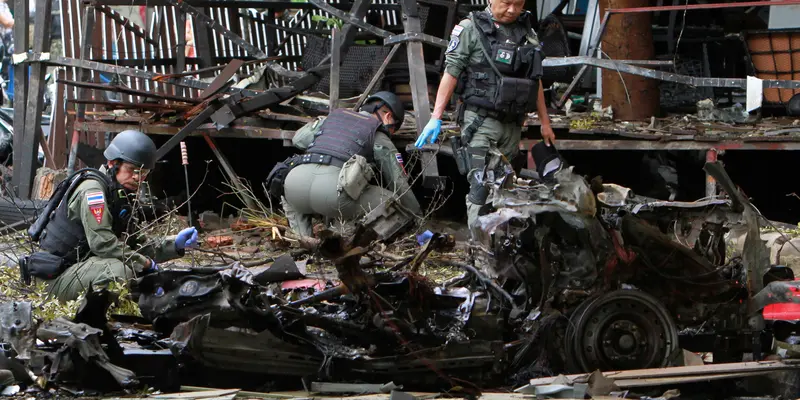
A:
[399, 158]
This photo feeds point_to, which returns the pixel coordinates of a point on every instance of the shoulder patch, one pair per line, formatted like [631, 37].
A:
[457, 30]
[97, 211]
[96, 197]
[399, 158]
[452, 45]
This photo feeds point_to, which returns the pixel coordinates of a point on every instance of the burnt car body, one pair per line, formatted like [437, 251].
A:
[579, 277]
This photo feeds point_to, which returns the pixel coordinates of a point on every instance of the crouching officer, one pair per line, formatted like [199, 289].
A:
[494, 59]
[88, 230]
[332, 177]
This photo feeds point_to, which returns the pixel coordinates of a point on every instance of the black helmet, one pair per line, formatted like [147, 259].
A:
[134, 147]
[394, 104]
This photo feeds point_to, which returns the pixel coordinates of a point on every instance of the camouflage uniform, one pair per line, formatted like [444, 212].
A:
[110, 258]
[312, 188]
[464, 50]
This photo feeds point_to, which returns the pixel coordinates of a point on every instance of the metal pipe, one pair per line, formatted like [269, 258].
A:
[185, 162]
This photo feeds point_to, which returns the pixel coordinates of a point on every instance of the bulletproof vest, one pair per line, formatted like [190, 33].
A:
[515, 89]
[65, 238]
[344, 134]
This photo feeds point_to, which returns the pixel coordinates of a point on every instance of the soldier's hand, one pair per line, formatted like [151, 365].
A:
[186, 238]
[548, 135]
[430, 133]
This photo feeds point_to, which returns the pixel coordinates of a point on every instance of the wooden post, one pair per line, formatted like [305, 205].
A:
[271, 33]
[629, 37]
[58, 128]
[416, 65]
[203, 44]
[21, 45]
[26, 159]
[180, 50]
[336, 55]
[419, 92]
[82, 94]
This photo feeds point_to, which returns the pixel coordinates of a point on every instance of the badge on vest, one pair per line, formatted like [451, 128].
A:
[97, 205]
[504, 56]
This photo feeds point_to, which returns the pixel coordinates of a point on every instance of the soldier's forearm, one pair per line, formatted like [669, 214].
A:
[446, 88]
[541, 107]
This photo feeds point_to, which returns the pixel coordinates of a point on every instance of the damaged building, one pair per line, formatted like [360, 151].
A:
[629, 264]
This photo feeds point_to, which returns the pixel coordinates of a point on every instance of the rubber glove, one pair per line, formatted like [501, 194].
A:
[431, 131]
[153, 266]
[186, 238]
[424, 237]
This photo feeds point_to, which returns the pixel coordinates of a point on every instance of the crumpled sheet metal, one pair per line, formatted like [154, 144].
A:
[86, 341]
[242, 350]
[570, 194]
[284, 268]
[16, 327]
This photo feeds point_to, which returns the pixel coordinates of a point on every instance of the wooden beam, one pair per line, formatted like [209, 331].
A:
[202, 43]
[25, 161]
[419, 91]
[58, 124]
[22, 43]
[83, 76]
[134, 72]
[336, 62]
[136, 30]
[180, 49]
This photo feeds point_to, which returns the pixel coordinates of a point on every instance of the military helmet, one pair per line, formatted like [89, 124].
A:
[394, 104]
[134, 147]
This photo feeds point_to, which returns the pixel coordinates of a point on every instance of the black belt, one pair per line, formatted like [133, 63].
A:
[322, 159]
[498, 115]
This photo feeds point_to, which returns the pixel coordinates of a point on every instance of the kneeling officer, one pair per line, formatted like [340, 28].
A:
[87, 232]
[331, 178]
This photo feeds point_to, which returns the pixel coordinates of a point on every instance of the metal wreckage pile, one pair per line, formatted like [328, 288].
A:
[579, 277]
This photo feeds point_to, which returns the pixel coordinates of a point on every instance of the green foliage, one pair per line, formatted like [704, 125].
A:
[44, 307]
[794, 232]
[124, 305]
[330, 22]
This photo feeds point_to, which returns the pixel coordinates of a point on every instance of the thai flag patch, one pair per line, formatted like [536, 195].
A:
[95, 198]
[399, 158]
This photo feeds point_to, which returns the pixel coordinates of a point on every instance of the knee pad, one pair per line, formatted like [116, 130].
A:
[478, 192]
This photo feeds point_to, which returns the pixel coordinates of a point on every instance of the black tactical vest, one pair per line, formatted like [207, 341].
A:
[65, 238]
[516, 91]
[346, 133]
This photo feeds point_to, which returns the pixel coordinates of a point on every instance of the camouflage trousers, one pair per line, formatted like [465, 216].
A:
[94, 272]
[491, 133]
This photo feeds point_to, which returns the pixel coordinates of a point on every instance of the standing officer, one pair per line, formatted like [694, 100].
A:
[494, 57]
[315, 183]
[88, 240]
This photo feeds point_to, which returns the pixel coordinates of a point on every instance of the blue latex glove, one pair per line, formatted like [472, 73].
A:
[424, 237]
[186, 238]
[430, 133]
[153, 266]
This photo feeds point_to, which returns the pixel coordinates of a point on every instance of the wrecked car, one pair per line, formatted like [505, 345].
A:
[573, 276]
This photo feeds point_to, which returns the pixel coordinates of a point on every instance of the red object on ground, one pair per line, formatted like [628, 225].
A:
[317, 284]
[219, 241]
